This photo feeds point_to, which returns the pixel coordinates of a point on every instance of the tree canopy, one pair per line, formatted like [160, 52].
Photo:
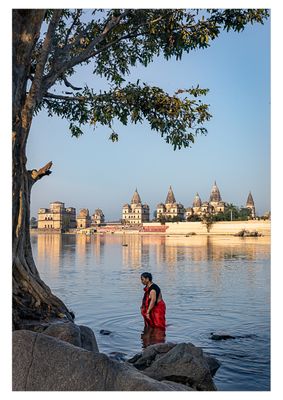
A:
[114, 41]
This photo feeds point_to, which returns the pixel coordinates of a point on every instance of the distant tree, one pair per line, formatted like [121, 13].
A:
[48, 48]
[177, 218]
[162, 219]
[33, 222]
[245, 214]
[194, 218]
[208, 220]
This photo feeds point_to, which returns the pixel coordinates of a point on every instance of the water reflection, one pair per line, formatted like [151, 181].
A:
[50, 246]
[152, 335]
[209, 284]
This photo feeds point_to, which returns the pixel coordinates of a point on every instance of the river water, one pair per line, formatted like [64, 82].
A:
[209, 284]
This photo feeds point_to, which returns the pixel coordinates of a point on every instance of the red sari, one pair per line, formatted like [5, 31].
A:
[157, 314]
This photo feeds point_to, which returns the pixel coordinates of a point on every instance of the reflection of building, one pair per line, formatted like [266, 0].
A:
[251, 205]
[136, 253]
[57, 217]
[136, 212]
[83, 219]
[98, 217]
[171, 209]
[49, 252]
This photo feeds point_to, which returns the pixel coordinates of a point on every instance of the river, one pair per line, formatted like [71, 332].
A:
[217, 284]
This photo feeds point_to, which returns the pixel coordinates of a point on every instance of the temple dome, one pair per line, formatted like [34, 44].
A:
[215, 194]
[98, 211]
[83, 213]
[197, 201]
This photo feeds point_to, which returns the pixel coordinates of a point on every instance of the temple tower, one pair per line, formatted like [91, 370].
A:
[251, 205]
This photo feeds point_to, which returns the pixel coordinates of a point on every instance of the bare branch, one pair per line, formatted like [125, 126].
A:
[62, 97]
[36, 175]
[68, 84]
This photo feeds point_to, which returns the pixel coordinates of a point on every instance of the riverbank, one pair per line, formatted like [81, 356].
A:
[263, 228]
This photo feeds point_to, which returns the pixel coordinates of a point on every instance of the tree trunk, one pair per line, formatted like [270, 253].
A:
[32, 298]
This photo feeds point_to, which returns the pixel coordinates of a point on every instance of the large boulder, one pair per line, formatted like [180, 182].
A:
[78, 335]
[46, 363]
[88, 339]
[182, 363]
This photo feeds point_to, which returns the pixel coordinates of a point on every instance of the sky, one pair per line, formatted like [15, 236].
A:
[92, 172]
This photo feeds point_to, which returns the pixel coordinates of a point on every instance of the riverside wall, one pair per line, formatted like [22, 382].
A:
[217, 228]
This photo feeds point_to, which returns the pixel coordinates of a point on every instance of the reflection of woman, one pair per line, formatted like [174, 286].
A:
[153, 307]
[152, 336]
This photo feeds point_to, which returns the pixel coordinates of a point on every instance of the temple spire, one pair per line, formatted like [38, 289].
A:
[215, 193]
[250, 200]
[136, 198]
[170, 197]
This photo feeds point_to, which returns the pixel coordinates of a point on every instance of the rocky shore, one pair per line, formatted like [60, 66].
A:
[63, 356]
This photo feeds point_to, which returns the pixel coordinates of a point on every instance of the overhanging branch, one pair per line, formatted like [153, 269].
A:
[62, 97]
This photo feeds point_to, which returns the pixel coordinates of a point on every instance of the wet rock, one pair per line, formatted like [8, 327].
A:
[133, 359]
[88, 340]
[45, 363]
[144, 359]
[177, 386]
[67, 331]
[78, 335]
[213, 364]
[182, 363]
[105, 332]
[221, 336]
[116, 355]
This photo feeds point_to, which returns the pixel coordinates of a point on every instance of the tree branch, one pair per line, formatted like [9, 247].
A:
[62, 97]
[76, 18]
[47, 45]
[68, 84]
[44, 171]
[59, 69]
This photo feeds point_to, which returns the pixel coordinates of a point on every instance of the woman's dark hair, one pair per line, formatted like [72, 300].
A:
[147, 275]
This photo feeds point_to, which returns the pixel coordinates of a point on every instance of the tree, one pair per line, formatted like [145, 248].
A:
[33, 222]
[208, 219]
[48, 45]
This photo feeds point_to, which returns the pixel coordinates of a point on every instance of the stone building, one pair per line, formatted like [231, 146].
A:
[98, 217]
[83, 219]
[57, 217]
[215, 204]
[171, 209]
[136, 212]
[251, 205]
[215, 200]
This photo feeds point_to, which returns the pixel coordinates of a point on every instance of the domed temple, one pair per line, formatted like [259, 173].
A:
[171, 209]
[215, 204]
[98, 217]
[83, 219]
[136, 212]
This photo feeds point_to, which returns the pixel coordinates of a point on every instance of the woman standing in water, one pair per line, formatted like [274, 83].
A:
[153, 308]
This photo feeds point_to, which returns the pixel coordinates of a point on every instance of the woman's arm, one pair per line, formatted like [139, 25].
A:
[152, 297]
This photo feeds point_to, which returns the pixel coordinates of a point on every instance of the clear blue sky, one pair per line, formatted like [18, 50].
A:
[93, 172]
